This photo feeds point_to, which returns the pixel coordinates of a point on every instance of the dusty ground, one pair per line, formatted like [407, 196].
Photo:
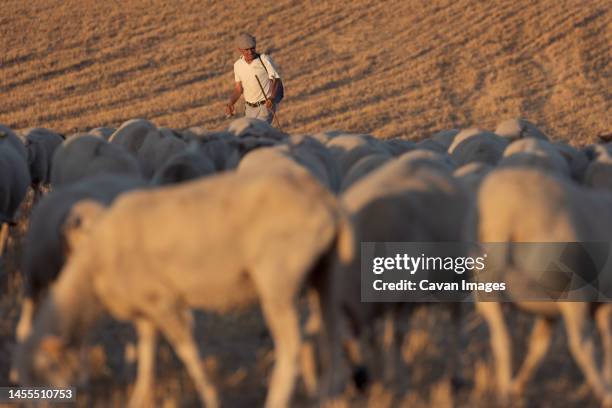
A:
[393, 68]
[238, 354]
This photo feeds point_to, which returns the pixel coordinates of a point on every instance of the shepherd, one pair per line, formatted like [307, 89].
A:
[257, 77]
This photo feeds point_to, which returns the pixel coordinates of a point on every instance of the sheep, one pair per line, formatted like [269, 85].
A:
[186, 165]
[86, 156]
[526, 205]
[397, 146]
[445, 137]
[363, 167]
[103, 132]
[223, 149]
[513, 129]
[577, 159]
[418, 158]
[598, 174]
[14, 180]
[477, 145]
[41, 144]
[132, 134]
[347, 149]
[537, 153]
[431, 145]
[595, 151]
[405, 200]
[472, 174]
[45, 248]
[263, 234]
[244, 126]
[280, 159]
[156, 148]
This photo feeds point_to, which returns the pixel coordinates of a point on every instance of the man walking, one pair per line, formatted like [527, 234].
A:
[253, 73]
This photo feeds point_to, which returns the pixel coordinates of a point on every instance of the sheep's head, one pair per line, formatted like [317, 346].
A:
[50, 363]
[80, 221]
[54, 364]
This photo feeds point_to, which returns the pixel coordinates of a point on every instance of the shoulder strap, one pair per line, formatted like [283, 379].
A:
[264, 65]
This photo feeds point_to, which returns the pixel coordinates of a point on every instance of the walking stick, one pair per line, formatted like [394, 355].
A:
[266, 96]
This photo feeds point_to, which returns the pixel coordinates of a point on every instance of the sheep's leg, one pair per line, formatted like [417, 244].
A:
[353, 351]
[333, 378]
[581, 346]
[602, 318]
[539, 343]
[176, 327]
[308, 354]
[24, 326]
[147, 338]
[455, 361]
[389, 343]
[282, 319]
[500, 344]
[4, 233]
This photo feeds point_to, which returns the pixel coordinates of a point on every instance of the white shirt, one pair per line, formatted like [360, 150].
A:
[245, 74]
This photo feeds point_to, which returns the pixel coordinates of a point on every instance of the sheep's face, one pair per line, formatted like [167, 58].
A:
[53, 364]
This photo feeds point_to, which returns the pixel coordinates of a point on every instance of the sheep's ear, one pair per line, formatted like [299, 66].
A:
[52, 345]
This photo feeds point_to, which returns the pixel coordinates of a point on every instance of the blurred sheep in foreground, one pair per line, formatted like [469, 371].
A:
[529, 205]
[410, 199]
[46, 247]
[284, 232]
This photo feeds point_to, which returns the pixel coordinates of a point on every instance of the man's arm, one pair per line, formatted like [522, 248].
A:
[229, 108]
[273, 90]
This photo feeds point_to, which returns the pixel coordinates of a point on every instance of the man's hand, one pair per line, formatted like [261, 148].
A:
[269, 104]
[230, 109]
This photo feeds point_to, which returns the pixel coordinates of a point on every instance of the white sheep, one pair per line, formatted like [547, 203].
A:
[532, 206]
[598, 174]
[85, 156]
[263, 235]
[297, 152]
[156, 148]
[431, 145]
[535, 153]
[514, 129]
[398, 146]
[132, 134]
[405, 200]
[363, 167]
[445, 137]
[14, 180]
[45, 248]
[183, 166]
[471, 145]
[577, 159]
[103, 132]
[472, 174]
[223, 149]
[244, 126]
[347, 149]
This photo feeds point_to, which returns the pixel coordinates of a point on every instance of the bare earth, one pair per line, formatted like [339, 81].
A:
[392, 69]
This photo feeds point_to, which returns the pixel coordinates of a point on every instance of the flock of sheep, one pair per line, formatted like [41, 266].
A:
[147, 224]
